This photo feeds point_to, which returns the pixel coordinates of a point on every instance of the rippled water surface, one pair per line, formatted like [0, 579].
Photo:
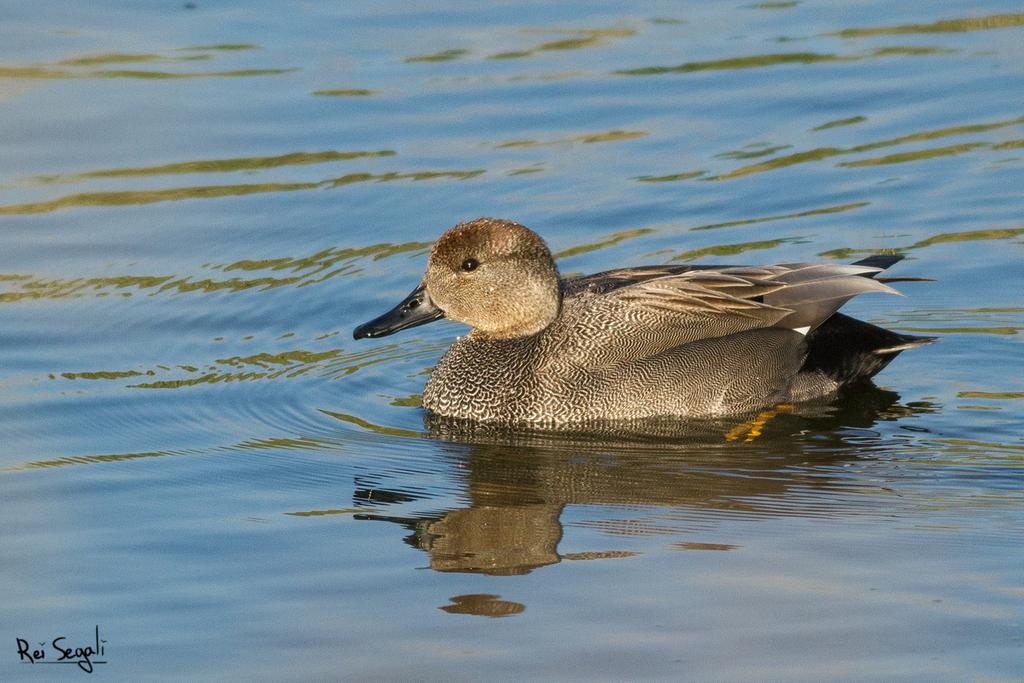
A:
[198, 202]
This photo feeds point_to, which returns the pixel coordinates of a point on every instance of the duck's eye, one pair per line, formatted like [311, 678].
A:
[469, 265]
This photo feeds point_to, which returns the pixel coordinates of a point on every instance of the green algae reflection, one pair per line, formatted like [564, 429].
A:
[278, 443]
[578, 39]
[778, 59]
[613, 239]
[330, 512]
[919, 155]
[999, 321]
[91, 459]
[32, 72]
[969, 236]
[161, 75]
[940, 238]
[671, 178]
[443, 56]
[221, 165]
[840, 122]
[127, 58]
[733, 249]
[301, 271]
[822, 211]
[587, 139]
[822, 153]
[140, 197]
[370, 426]
[44, 72]
[104, 374]
[222, 47]
[751, 62]
[988, 23]
[345, 92]
[752, 152]
[994, 395]
[332, 363]
[78, 67]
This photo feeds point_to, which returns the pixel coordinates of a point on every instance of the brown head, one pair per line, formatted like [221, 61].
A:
[495, 275]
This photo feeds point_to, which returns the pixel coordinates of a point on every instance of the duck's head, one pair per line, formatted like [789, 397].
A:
[495, 275]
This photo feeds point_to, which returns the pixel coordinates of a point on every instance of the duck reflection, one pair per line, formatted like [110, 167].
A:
[518, 483]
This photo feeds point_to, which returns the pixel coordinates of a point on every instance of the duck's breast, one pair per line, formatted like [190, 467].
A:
[491, 380]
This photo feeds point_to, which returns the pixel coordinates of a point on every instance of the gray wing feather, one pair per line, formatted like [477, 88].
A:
[814, 292]
[639, 312]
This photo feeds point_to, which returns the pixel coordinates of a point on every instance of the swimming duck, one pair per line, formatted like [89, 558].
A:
[633, 343]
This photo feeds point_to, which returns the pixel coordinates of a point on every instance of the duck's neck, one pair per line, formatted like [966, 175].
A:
[516, 332]
[528, 314]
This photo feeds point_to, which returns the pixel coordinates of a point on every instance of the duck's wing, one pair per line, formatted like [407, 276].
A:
[600, 283]
[814, 291]
[640, 312]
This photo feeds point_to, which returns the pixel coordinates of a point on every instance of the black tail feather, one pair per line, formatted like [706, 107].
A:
[880, 261]
[846, 349]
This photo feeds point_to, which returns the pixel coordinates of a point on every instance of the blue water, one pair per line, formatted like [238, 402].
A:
[198, 202]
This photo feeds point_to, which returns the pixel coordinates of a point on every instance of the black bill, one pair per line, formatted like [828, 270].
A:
[415, 309]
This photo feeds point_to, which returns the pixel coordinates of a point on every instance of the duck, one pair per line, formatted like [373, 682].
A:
[629, 344]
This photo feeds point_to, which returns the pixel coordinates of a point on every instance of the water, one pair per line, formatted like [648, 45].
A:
[198, 204]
